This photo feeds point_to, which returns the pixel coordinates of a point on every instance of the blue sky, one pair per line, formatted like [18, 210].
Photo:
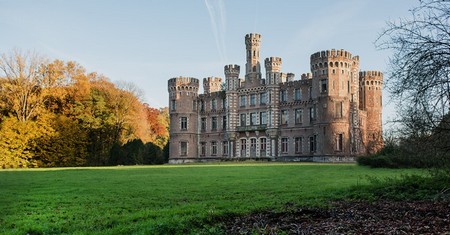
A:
[148, 42]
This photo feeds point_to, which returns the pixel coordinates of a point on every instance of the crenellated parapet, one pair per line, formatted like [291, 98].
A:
[212, 84]
[232, 70]
[371, 75]
[183, 83]
[333, 61]
[306, 76]
[273, 64]
[252, 40]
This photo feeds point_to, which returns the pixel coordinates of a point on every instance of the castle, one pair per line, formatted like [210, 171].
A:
[329, 115]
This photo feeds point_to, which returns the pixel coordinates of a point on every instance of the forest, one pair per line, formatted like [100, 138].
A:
[56, 114]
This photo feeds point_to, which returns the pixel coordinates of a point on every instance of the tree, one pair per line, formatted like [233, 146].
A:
[22, 90]
[419, 76]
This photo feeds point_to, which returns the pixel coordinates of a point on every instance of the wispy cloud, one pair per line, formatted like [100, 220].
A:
[216, 10]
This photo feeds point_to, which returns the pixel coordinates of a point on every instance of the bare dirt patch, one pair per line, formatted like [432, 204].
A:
[382, 217]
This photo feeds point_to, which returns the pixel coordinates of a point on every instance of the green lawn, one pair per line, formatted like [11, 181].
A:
[162, 199]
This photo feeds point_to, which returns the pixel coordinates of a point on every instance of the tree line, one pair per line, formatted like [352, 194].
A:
[56, 114]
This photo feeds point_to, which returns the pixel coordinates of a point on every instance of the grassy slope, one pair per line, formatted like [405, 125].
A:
[164, 199]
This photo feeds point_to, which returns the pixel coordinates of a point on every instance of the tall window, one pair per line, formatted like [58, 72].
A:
[243, 100]
[213, 148]
[194, 105]
[253, 147]
[283, 95]
[298, 94]
[225, 148]
[298, 144]
[224, 103]
[203, 124]
[310, 92]
[202, 105]
[213, 104]
[173, 105]
[243, 147]
[284, 145]
[338, 109]
[298, 116]
[312, 113]
[224, 122]
[252, 119]
[263, 118]
[313, 143]
[183, 123]
[263, 144]
[214, 123]
[284, 117]
[183, 148]
[323, 85]
[243, 119]
[252, 99]
[203, 148]
[263, 98]
[339, 142]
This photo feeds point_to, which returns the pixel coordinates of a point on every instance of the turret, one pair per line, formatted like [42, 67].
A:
[371, 83]
[183, 93]
[253, 67]
[232, 76]
[273, 69]
[212, 84]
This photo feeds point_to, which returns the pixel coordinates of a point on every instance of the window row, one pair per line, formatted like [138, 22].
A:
[213, 148]
[263, 99]
[297, 94]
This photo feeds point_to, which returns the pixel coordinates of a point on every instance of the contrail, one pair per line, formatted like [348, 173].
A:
[216, 10]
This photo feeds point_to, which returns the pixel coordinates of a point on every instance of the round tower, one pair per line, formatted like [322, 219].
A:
[371, 83]
[332, 72]
[212, 84]
[253, 67]
[183, 92]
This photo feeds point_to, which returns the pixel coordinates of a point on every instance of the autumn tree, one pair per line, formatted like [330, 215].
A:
[23, 88]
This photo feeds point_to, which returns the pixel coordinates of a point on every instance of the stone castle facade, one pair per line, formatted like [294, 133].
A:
[331, 114]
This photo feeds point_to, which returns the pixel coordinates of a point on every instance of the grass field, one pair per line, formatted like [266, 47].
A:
[163, 199]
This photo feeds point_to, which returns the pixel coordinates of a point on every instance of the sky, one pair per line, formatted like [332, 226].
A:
[147, 42]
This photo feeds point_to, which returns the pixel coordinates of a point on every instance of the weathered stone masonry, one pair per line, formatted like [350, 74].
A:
[331, 114]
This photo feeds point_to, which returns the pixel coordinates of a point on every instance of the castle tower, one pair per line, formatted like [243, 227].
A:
[183, 92]
[331, 89]
[232, 84]
[273, 78]
[212, 84]
[252, 67]
[371, 101]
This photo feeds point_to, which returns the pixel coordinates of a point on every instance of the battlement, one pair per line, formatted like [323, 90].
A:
[290, 77]
[252, 39]
[333, 53]
[255, 36]
[212, 80]
[371, 75]
[212, 84]
[306, 76]
[186, 81]
[273, 64]
[232, 70]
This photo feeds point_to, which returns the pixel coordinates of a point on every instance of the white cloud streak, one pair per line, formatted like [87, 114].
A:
[216, 10]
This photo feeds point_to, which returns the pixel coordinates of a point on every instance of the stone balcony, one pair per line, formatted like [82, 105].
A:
[252, 128]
